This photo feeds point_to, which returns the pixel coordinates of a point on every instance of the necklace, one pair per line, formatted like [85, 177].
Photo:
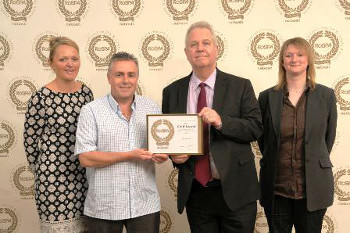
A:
[296, 90]
[300, 90]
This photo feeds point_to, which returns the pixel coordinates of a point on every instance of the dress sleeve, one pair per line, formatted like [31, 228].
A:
[33, 128]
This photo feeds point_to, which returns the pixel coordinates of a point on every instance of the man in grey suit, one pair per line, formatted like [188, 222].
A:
[221, 195]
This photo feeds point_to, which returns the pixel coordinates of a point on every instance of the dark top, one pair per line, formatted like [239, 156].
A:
[49, 138]
[290, 161]
[319, 136]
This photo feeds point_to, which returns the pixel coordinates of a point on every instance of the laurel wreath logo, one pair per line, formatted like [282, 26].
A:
[20, 105]
[167, 222]
[161, 141]
[346, 5]
[72, 15]
[4, 148]
[221, 47]
[256, 148]
[261, 59]
[180, 15]
[39, 53]
[171, 180]
[325, 59]
[14, 218]
[25, 191]
[138, 90]
[342, 195]
[293, 12]
[344, 104]
[21, 15]
[260, 214]
[155, 61]
[101, 61]
[235, 13]
[6, 48]
[329, 223]
[126, 16]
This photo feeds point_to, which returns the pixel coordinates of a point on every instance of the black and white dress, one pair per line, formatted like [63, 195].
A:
[49, 138]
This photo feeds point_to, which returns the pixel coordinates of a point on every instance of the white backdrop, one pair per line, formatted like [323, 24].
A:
[250, 34]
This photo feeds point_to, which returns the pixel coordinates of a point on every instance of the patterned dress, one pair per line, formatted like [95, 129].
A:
[49, 138]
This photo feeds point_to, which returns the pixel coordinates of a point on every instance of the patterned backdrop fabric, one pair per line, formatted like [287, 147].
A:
[249, 33]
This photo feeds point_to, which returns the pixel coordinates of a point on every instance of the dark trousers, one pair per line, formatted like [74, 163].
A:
[288, 212]
[207, 212]
[143, 224]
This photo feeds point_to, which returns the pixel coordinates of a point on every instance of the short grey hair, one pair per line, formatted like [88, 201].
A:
[201, 24]
[123, 56]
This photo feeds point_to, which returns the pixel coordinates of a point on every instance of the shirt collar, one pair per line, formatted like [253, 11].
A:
[115, 106]
[306, 91]
[210, 82]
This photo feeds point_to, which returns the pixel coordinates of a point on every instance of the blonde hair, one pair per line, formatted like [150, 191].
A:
[60, 40]
[302, 44]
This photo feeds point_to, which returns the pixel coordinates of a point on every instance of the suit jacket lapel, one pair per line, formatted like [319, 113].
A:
[219, 91]
[311, 111]
[183, 93]
[276, 103]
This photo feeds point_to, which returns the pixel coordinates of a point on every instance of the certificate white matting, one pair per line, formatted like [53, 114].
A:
[175, 134]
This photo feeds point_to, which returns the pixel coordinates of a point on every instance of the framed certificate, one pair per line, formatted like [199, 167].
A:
[175, 134]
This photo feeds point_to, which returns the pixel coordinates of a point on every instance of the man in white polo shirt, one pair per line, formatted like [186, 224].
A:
[110, 142]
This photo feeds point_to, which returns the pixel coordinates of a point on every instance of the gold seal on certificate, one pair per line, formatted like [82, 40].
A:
[175, 134]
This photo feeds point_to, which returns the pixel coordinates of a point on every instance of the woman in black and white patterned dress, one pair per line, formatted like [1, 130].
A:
[49, 138]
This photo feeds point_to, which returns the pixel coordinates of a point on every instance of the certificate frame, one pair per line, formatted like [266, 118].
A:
[175, 134]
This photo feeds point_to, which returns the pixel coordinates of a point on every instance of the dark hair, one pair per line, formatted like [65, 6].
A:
[122, 56]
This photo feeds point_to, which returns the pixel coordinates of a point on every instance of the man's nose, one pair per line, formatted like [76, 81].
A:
[200, 47]
[125, 78]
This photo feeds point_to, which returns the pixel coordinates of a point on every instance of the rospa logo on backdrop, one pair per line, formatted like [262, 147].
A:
[342, 92]
[41, 48]
[172, 181]
[236, 10]
[73, 10]
[126, 10]
[19, 91]
[101, 47]
[292, 10]
[8, 137]
[166, 222]
[264, 49]
[9, 220]
[342, 185]
[344, 7]
[327, 45]
[5, 50]
[180, 10]
[18, 10]
[156, 49]
[23, 181]
[222, 45]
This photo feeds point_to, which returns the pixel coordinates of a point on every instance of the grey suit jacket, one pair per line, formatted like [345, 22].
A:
[234, 100]
[320, 130]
